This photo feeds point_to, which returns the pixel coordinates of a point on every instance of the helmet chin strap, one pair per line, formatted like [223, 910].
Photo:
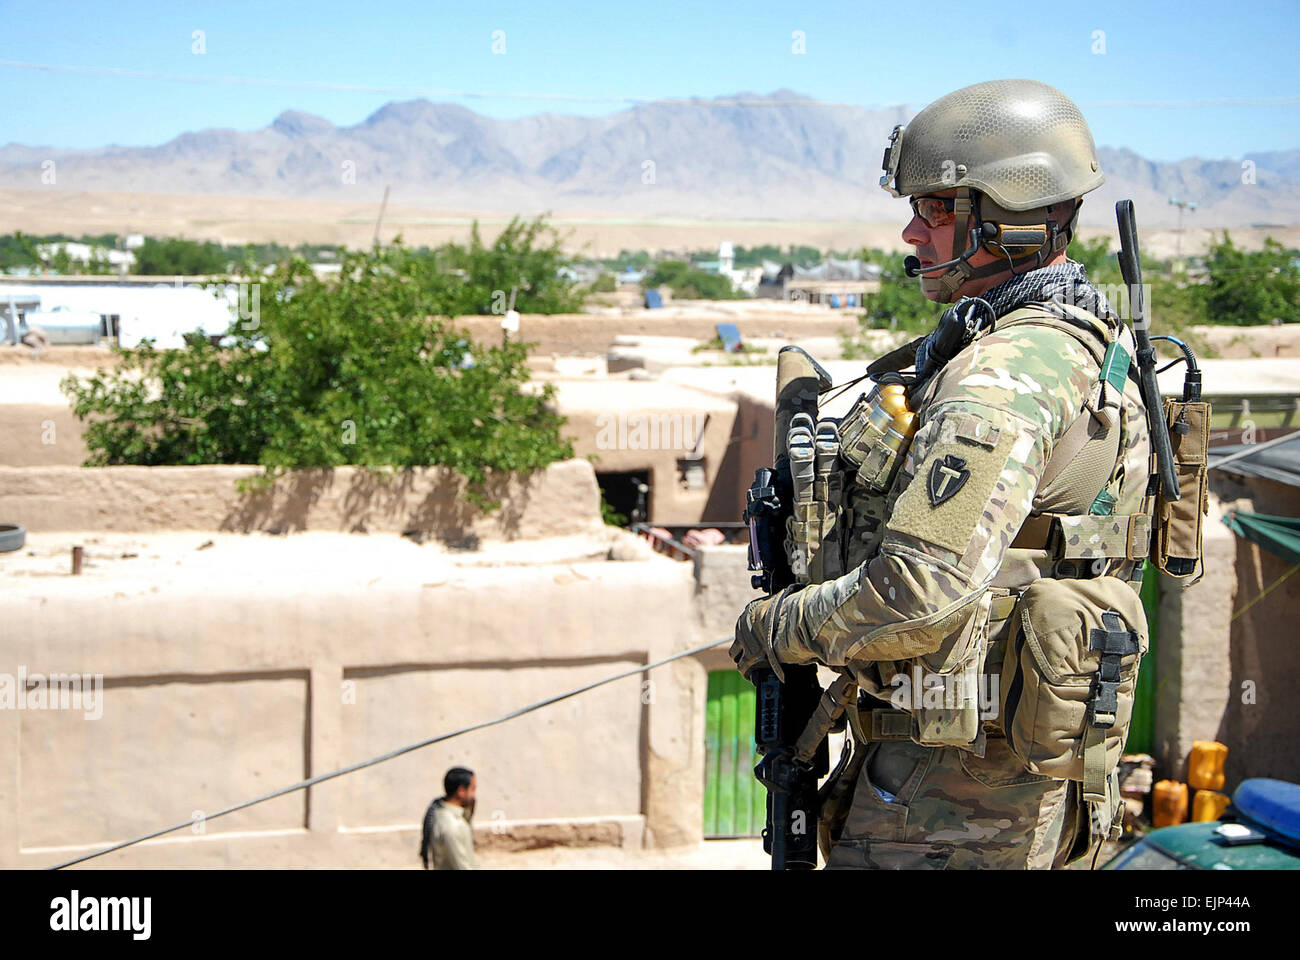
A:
[965, 245]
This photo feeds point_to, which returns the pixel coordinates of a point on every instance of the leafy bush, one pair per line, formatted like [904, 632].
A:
[690, 283]
[609, 516]
[361, 369]
[800, 256]
[526, 256]
[605, 283]
[17, 250]
[173, 256]
[1249, 288]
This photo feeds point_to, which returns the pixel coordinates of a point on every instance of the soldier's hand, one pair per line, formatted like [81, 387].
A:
[755, 632]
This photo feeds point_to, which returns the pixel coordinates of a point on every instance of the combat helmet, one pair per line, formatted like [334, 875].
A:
[1010, 148]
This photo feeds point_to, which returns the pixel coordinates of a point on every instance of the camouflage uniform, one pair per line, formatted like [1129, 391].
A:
[1029, 463]
[1001, 406]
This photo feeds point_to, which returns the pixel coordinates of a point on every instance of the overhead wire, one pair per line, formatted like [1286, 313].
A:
[392, 754]
[1286, 100]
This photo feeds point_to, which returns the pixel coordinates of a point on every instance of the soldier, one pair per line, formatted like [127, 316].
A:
[1021, 447]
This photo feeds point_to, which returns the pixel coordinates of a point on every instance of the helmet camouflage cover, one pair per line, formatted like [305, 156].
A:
[1022, 143]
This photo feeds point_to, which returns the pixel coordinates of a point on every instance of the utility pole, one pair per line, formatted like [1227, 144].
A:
[1178, 237]
[380, 221]
[510, 322]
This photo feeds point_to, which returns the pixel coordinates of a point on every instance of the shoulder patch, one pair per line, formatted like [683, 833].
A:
[960, 494]
[947, 476]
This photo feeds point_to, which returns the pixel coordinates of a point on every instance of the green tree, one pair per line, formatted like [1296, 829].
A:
[525, 257]
[1252, 287]
[173, 256]
[629, 260]
[18, 250]
[362, 369]
[689, 283]
[60, 262]
[1101, 265]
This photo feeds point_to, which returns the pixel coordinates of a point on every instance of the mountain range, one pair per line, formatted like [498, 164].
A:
[782, 156]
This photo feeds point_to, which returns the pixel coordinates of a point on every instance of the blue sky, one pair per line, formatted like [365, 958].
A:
[595, 54]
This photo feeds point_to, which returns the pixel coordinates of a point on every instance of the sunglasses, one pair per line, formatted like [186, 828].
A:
[936, 211]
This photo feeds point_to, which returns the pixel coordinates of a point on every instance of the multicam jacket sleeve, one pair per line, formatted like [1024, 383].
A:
[966, 487]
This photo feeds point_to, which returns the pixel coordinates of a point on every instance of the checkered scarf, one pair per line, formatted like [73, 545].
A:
[1063, 282]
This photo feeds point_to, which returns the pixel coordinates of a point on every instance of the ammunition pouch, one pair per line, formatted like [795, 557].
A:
[870, 446]
[1180, 523]
[813, 542]
[1077, 542]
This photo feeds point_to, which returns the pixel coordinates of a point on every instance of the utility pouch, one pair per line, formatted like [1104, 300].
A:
[828, 487]
[1180, 524]
[945, 685]
[804, 523]
[1069, 676]
[865, 525]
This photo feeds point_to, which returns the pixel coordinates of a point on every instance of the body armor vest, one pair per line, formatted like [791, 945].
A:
[1072, 536]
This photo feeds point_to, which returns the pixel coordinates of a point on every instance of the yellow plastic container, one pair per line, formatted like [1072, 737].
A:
[1168, 803]
[1205, 766]
[1208, 805]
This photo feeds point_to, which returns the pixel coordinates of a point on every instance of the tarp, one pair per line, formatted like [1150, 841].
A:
[1277, 535]
[729, 334]
[838, 270]
[1280, 463]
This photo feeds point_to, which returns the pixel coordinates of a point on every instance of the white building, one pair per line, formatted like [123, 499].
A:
[84, 253]
[134, 309]
[744, 281]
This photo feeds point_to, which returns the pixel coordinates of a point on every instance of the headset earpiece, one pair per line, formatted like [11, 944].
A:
[1021, 239]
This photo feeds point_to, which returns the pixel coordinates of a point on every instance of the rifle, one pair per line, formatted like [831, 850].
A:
[785, 704]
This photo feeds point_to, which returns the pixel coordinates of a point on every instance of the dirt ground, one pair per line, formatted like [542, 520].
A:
[591, 335]
[576, 334]
[239, 219]
[710, 855]
[744, 854]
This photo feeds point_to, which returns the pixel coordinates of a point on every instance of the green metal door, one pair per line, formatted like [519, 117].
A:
[1141, 733]
[735, 804]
